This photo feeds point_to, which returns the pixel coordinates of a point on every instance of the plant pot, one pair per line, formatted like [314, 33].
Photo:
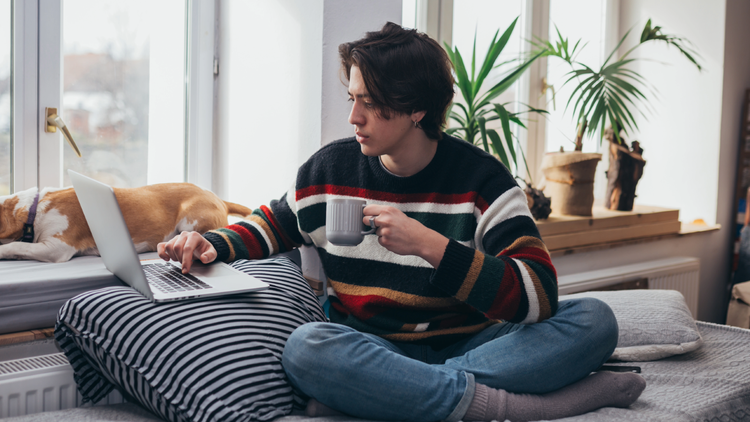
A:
[625, 169]
[570, 181]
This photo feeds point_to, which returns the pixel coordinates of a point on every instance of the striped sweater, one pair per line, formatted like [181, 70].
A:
[495, 267]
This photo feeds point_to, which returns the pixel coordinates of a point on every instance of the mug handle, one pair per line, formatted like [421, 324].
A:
[371, 231]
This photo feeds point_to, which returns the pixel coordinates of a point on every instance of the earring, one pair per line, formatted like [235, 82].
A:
[416, 123]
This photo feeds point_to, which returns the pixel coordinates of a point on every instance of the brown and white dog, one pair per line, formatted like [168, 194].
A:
[153, 214]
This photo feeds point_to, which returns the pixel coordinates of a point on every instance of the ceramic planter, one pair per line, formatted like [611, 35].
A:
[570, 181]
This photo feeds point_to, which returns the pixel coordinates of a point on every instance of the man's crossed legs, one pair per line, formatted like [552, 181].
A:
[506, 371]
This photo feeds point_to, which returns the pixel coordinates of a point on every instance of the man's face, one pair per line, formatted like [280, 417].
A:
[376, 135]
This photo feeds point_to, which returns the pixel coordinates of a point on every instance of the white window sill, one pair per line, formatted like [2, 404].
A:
[32, 292]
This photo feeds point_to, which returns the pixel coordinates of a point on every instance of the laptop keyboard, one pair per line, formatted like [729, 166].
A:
[169, 279]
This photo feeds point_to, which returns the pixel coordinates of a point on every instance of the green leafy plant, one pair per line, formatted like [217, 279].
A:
[479, 109]
[613, 92]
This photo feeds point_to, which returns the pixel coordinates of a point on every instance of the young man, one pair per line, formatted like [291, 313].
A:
[450, 312]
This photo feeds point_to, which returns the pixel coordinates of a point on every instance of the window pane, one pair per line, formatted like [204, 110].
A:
[124, 91]
[484, 18]
[6, 165]
[568, 17]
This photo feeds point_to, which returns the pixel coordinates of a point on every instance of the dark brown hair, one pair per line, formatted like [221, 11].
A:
[404, 71]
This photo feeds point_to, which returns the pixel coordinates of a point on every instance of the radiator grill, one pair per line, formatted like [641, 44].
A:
[40, 384]
[30, 364]
[684, 282]
[676, 273]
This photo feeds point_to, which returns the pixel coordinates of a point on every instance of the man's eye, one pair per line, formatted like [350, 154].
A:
[350, 99]
[369, 105]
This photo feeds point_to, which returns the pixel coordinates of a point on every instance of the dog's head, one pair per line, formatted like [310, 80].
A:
[13, 213]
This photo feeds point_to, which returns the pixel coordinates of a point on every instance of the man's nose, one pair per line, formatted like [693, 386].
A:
[355, 116]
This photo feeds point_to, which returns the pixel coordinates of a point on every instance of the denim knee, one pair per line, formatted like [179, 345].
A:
[603, 327]
[297, 357]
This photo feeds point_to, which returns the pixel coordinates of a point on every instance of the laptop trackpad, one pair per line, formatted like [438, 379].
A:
[212, 271]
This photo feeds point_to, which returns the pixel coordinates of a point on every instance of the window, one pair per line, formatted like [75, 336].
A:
[484, 18]
[123, 76]
[537, 19]
[123, 90]
[561, 125]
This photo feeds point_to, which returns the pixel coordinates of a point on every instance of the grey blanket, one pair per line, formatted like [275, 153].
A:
[709, 384]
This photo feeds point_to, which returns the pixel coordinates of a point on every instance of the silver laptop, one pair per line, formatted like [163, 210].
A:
[156, 279]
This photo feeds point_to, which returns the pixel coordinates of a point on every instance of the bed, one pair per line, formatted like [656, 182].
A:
[709, 384]
[705, 378]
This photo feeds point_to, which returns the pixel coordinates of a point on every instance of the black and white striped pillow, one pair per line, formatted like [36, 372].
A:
[209, 360]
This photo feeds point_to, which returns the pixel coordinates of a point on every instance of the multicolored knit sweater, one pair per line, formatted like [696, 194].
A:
[495, 266]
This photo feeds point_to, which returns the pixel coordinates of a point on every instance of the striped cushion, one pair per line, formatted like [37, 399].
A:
[209, 360]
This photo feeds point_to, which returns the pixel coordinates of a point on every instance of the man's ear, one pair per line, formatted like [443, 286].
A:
[417, 116]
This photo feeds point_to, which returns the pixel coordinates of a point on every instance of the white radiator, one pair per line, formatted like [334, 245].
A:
[40, 384]
[676, 273]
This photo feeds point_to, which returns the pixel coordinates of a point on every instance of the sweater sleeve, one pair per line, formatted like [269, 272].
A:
[510, 275]
[266, 232]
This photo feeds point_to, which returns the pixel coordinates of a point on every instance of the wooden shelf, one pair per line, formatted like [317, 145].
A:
[604, 219]
[685, 230]
[26, 336]
[565, 234]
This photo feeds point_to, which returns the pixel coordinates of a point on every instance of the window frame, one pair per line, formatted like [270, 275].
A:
[436, 19]
[36, 83]
[200, 100]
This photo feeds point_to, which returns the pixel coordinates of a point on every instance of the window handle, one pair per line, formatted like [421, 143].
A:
[53, 122]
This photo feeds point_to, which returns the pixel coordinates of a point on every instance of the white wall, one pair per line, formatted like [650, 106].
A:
[268, 95]
[273, 112]
[346, 20]
[691, 142]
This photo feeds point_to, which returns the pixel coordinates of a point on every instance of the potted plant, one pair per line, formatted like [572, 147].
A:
[611, 95]
[472, 117]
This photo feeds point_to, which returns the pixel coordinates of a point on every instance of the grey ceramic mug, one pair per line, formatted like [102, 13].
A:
[344, 221]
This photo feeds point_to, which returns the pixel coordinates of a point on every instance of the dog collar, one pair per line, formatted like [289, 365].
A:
[28, 228]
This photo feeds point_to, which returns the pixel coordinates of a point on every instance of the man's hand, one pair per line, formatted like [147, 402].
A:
[186, 247]
[404, 235]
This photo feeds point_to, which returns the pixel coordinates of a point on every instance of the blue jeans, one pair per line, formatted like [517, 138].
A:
[366, 376]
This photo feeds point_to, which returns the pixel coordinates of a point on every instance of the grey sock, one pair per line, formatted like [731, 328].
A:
[601, 389]
[315, 408]
[488, 404]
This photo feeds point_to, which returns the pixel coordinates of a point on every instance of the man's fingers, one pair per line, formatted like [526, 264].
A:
[186, 247]
[187, 256]
[161, 250]
[209, 256]
[371, 210]
[366, 220]
[169, 250]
